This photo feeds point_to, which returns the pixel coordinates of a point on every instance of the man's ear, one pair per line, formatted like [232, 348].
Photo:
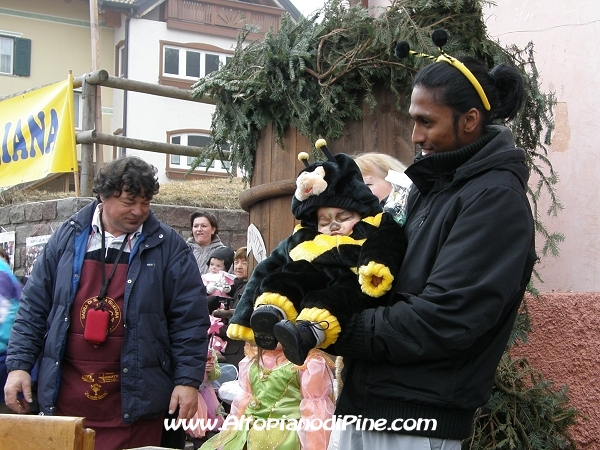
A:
[471, 121]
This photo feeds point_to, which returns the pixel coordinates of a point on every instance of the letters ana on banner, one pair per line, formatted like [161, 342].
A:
[38, 134]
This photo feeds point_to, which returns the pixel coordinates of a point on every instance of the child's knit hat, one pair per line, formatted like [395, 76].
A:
[224, 254]
[335, 183]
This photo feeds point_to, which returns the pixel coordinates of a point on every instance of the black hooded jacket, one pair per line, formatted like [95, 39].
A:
[432, 353]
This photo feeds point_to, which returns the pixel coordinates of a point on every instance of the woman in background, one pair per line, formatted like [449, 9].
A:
[374, 168]
[205, 238]
[234, 350]
[240, 270]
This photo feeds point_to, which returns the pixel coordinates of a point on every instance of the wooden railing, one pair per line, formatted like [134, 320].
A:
[221, 17]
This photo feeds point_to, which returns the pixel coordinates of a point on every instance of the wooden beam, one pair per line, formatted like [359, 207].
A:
[89, 137]
[265, 191]
[103, 78]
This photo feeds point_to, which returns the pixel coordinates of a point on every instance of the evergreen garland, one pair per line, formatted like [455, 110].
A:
[315, 75]
[524, 412]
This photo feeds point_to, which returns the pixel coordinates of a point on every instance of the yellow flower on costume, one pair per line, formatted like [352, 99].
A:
[375, 279]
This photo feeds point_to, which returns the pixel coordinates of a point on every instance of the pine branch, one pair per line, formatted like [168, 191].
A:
[524, 412]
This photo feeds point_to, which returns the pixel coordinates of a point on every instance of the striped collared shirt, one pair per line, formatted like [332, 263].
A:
[112, 243]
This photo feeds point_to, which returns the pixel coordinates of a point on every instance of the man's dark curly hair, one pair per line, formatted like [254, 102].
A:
[131, 173]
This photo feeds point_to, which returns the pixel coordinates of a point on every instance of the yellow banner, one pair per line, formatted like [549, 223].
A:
[37, 132]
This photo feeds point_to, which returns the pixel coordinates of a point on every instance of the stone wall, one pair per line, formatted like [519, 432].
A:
[42, 218]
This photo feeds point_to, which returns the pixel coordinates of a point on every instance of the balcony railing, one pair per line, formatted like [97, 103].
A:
[221, 17]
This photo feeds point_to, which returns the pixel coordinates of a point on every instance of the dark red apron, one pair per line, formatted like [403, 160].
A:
[91, 380]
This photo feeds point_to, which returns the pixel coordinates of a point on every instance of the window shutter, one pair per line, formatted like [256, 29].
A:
[22, 57]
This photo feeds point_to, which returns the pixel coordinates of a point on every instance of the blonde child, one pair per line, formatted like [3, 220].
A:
[209, 407]
[277, 391]
[374, 168]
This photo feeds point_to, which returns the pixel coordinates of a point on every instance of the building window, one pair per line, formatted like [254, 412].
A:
[197, 140]
[171, 61]
[6, 55]
[212, 63]
[15, 56]
[190, 63]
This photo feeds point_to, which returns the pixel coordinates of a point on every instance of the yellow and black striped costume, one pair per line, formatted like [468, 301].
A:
[321, 278]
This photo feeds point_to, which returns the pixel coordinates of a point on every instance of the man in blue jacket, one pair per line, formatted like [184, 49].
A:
[417, 369]
[116, 313]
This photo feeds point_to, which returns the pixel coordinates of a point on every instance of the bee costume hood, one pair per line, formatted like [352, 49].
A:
[334, 183]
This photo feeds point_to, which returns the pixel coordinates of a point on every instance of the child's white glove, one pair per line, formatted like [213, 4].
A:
[222, 285]
[210, 288]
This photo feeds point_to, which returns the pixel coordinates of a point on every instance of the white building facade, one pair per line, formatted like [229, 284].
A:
[175, 43]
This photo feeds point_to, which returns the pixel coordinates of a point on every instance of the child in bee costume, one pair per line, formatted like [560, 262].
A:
[303, 294]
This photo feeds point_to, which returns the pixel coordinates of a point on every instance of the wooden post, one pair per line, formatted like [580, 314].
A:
[95, 39]
[87, 149]
[76, 179]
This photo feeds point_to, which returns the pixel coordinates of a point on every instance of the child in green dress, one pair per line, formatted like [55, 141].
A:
[282, 405]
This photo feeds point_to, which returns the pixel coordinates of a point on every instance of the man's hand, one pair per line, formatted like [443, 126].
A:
[18, 381]
[186, 397]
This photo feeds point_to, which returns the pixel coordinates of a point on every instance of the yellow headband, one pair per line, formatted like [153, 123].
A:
[403, 50]
[467, 73]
